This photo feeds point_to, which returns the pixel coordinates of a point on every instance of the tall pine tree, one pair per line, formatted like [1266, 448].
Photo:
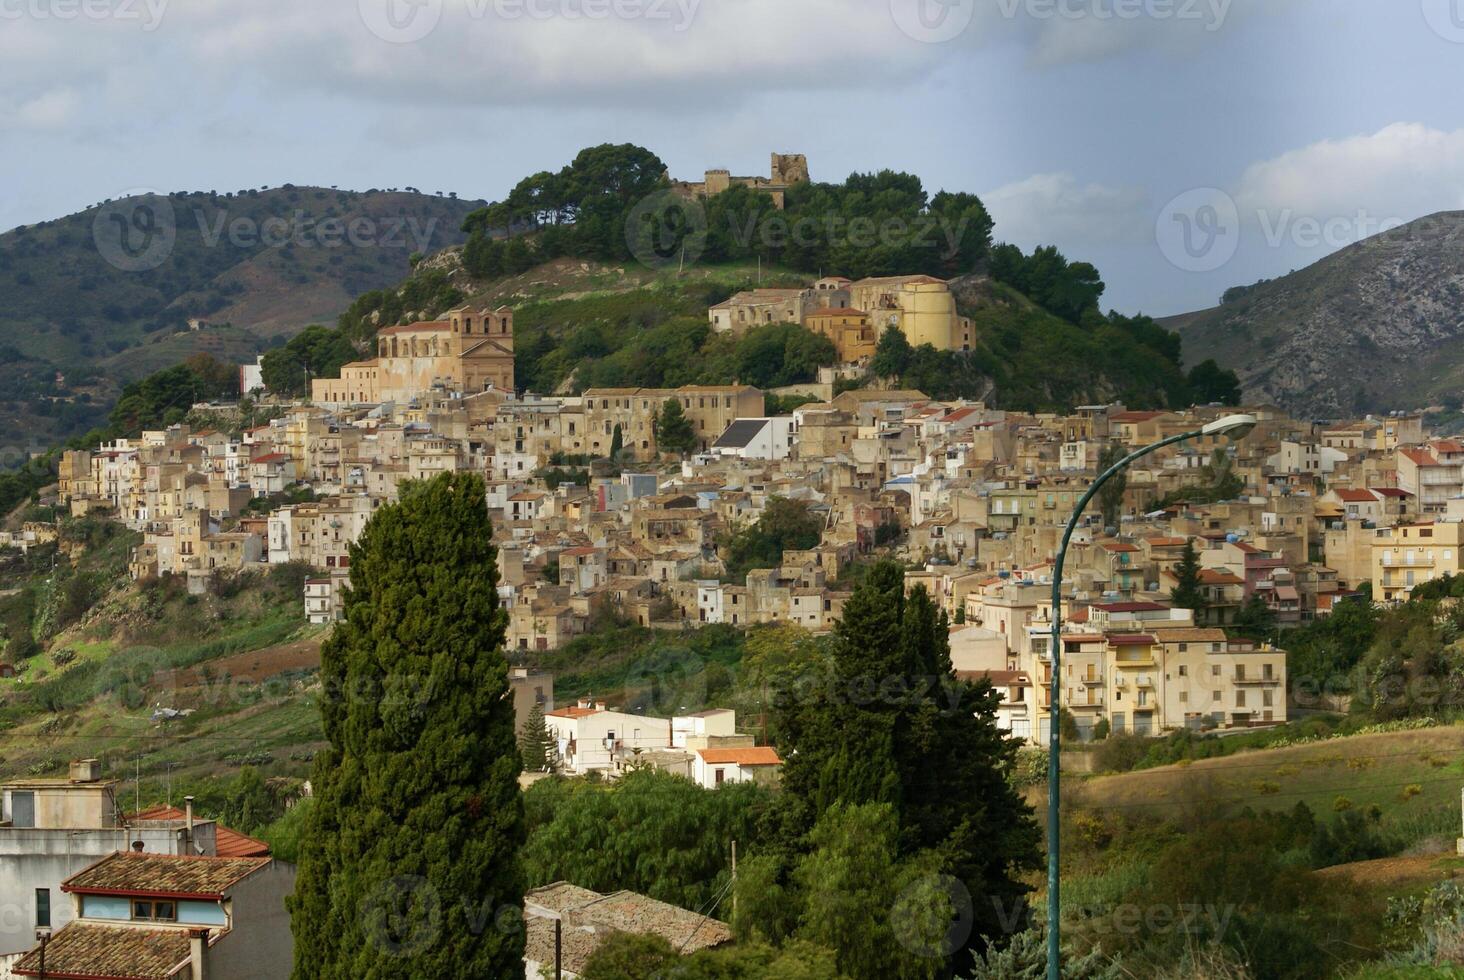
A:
[537, 744]
[1187, 593]
[891, 724]
[412, 852]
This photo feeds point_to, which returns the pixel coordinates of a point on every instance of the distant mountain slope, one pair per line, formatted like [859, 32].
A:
[1376, 326]
[106, 295]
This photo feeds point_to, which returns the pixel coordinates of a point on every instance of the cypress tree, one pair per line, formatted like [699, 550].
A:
[536, 743]
[1187, 593]
[410, 866]
[674, 433]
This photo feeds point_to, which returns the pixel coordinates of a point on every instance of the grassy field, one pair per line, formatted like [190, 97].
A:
[1399, 772]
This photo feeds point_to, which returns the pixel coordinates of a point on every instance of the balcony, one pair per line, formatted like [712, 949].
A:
[1252, 681]
[1403, 561]
[1094, 681]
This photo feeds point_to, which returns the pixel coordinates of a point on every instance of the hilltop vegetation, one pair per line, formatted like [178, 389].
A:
[609, 292]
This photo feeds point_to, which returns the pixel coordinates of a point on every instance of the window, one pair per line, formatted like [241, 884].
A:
[1240, 699]
[719, 775]
[22, 809]
[1183, 671]
[1214, 670]
[43, 908]
[1215, 696]
[151, 911]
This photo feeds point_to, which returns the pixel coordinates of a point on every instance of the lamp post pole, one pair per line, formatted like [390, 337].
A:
[1054, 706]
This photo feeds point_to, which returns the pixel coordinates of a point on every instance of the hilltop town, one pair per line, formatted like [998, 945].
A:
[598, 507]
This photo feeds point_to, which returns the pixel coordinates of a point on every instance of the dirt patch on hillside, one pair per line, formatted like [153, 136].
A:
[261, 665]
[1395, 873]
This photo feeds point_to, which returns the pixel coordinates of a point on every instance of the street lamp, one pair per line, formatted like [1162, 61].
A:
[1232, 426]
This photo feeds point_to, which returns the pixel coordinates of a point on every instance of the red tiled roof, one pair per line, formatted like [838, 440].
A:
[1421, 457]
[127, 873]
[271, 458]
[1357, 496]
[1123, 607]
[227, 843]
[571, 712]
[1130, 640]
[97, 952]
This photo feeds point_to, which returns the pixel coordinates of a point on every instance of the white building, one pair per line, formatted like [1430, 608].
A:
[718, 767]
[769, 438]
[593, 737]
[52, 828]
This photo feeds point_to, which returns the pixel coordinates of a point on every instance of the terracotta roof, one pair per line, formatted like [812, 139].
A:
[227, 843]
[1124, 607]
[1421, 457]
[1211, 576]
[271, 458]
[571, 712]
[1130, 640]
[97, 952]
[1357, 496]
[1195, 636]
[759, 755]
[163, 874]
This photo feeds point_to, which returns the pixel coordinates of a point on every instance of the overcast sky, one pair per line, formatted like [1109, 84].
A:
[1183, 146]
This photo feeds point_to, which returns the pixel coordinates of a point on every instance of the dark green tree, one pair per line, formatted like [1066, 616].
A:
[412, 852]
[891, 355]
[1211, 383]
[674, 433]
[1255, 619]
[617, 442]
[890, 723]
[537, 745]
[1187, 593]
[1110, 495]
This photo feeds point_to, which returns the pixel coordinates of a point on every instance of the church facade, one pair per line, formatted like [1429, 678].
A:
[467, 351]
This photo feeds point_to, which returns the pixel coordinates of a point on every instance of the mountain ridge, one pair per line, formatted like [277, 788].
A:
[1375, 326]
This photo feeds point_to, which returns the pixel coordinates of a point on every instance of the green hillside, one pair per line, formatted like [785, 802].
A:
[107, 294]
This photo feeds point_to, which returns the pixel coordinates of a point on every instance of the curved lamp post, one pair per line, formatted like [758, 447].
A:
[1232, 426]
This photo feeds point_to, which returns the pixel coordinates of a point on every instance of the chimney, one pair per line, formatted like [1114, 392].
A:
[137, 847]
[198, 953]
[85, 770]
[188, 821]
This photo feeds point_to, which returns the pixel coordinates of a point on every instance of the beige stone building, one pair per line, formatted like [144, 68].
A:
[469, 351]
[849, 330]
[786, 170]
[921, 307]
[710, 408]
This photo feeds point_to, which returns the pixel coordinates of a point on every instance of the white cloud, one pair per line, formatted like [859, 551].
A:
[49, 110]
[1397, 174]
[1057, 209]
